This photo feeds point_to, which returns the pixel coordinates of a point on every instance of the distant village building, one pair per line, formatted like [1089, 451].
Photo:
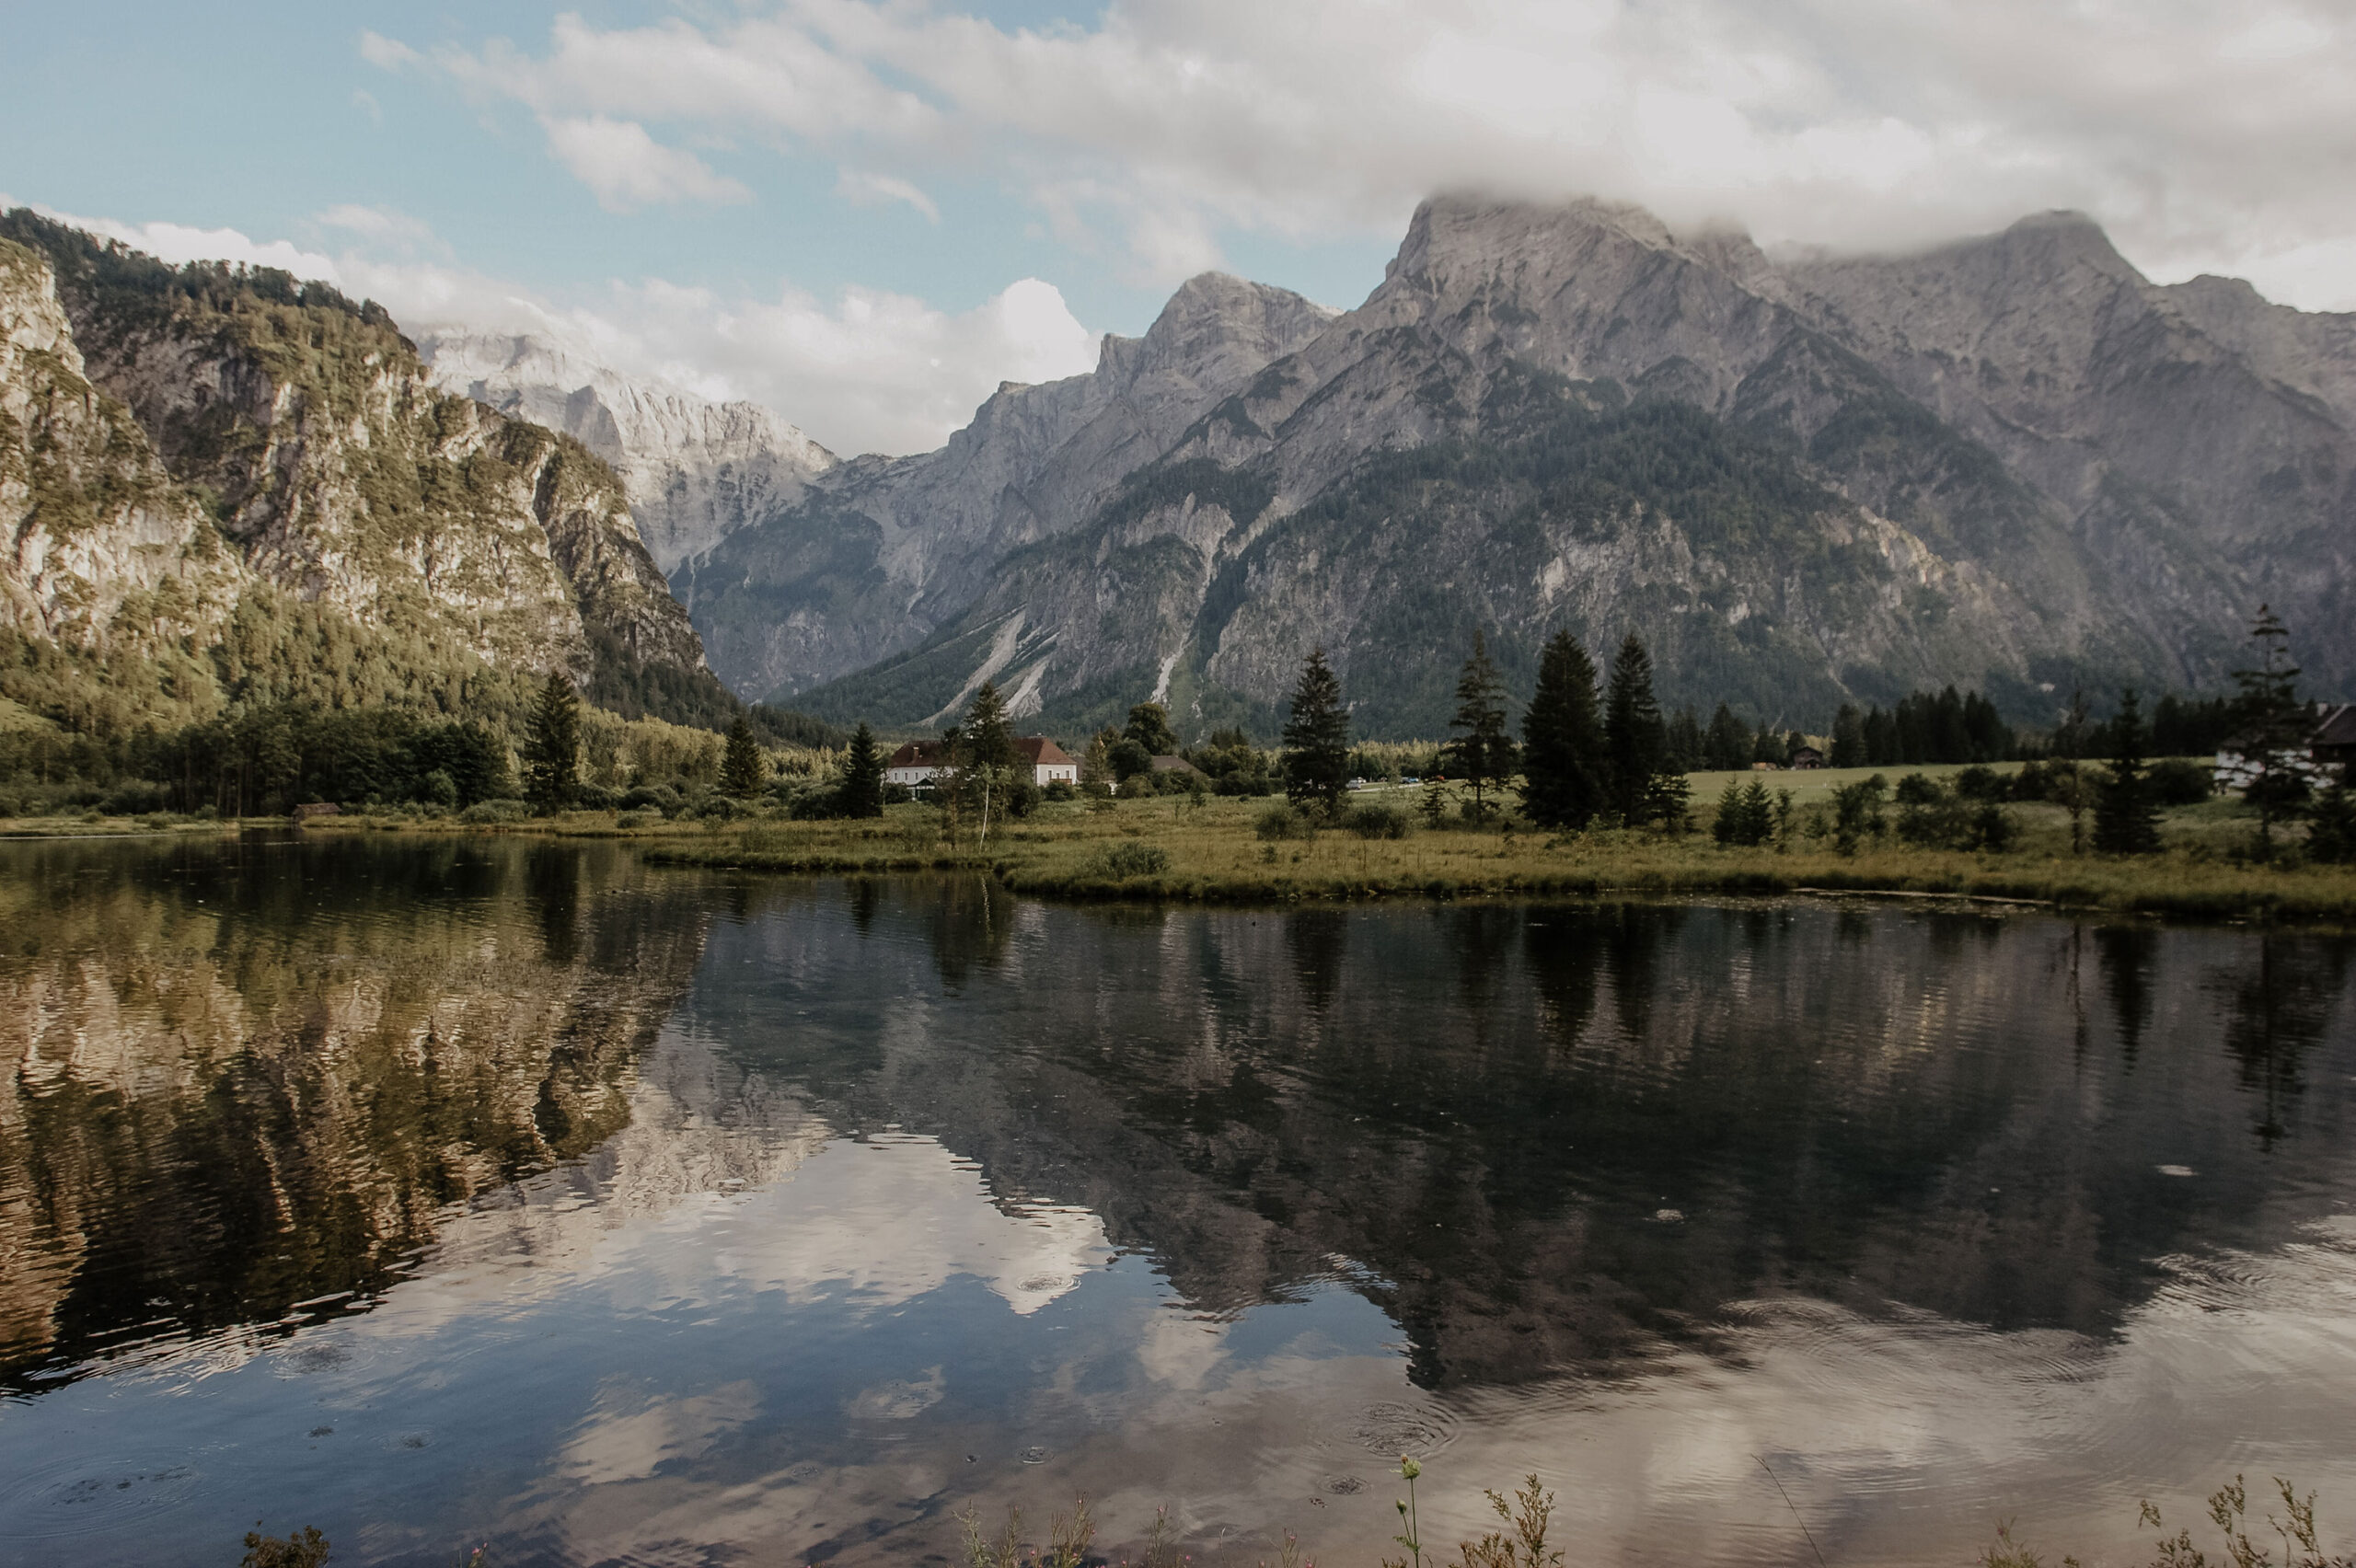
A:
[2330, 745]
[920, 763]
[1806, 757]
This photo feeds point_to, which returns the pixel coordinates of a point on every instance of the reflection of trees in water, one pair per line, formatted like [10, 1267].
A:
[973, 921]
[2277, 1009]
[1868, 1107]
[2125, 954]
[1318, 939]
[253, 1077]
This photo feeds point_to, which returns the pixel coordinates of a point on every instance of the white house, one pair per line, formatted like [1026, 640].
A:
[919, 763]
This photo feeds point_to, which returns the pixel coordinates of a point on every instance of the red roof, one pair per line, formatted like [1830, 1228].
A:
[1041, 751]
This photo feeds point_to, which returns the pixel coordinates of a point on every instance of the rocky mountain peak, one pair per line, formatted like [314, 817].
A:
[1220, 329]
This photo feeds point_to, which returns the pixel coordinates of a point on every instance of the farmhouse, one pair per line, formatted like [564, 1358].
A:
[920, 763]
[2330, 745]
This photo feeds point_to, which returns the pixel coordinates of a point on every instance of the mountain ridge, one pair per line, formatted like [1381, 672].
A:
[2056, 475]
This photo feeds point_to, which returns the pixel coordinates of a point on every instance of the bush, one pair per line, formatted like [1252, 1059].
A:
[2180, 781]
[1284, 819]
[1917, 789]
[502, 810]
[662, 797]
[1978, 783]
[1023, 799]
[638, 819]
[1058, 790]
[1124, 860]
[437, 788]
[134, 797]
[1375, 822]
[722, 807]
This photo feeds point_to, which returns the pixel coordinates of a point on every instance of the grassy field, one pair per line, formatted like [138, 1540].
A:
[1169, 848]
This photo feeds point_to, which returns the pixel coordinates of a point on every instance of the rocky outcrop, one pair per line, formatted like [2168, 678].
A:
[184, 439]
[2012, 464]
[888, 552]
[694, 470]
[102, 547]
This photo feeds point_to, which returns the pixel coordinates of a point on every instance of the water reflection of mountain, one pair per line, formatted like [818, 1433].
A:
[246, 1076]
[1568, 1136]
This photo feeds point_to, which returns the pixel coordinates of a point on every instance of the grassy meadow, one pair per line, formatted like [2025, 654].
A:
[1212, 849]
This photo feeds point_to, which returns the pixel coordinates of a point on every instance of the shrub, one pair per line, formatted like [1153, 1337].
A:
[1122, 860]
[1979, 783]
[437, 788]
[1376, 822]
[1918, 789]
[1059, 789]
[663, 797]
[2180, 781]
[638, 819]
[722, 807]
[484, 812]
[134, 797]
[1284, 819]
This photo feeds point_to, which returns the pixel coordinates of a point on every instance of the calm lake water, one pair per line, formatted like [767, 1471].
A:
[436, 1194]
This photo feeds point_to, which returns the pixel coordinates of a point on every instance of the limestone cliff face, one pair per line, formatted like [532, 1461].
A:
[887, 551]
[184, 439]
[102, 547]
[694, 470]
[2011, 463]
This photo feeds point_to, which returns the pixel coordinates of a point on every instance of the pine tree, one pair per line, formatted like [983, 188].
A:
[2126, 820]
[1317, 736]
[986, 766]
[861, 791]
[1848, 738]
[1726, 744]
[740, 767]
[1481, 749]
[1562, 736]
[1633, 739]
[552, 752]
[2273, 725]
[2331, 826]
[1149, 725]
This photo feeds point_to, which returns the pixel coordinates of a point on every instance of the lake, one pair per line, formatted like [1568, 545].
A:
[436, 1192]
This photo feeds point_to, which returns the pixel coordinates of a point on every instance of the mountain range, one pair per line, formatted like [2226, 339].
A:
[2011, 462]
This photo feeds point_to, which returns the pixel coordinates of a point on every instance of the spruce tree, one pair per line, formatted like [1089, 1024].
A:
[1848, 738]
[1149, 727]
[1562, 736]
[1481, 749]
[1317, 736]
[2127, 821]
[740, 768]
[2331, 826]
[552, 751]
[985, 757]
[2273, 726]
[1726, 744]
[1633, 739]
[861, 791]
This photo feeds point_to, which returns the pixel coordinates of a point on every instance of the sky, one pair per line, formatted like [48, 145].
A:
[867, 214]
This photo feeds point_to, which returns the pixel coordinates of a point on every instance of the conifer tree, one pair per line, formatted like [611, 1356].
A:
[2273, 725]
[1481, 749]
[987, 756]
[1726, 744]
[1317, 736]
[2331, 826]
[862, 792]
[1633, 739]
[740, 767]
[2127, 821]
[1149, 725]
[1562, 739]
[552, 751]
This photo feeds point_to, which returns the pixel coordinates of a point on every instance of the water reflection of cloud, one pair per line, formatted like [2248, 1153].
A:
[1180, 1350]
[897, 1216]
[628, 1433]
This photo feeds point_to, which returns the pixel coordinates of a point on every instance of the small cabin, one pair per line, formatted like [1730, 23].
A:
[1805, 757]
[2331, 747]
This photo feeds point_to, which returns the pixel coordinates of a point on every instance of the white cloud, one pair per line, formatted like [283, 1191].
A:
[386, 54]
[2205, 133]
[626, 168]
[869, 372]
[864, 189]
[179, 244]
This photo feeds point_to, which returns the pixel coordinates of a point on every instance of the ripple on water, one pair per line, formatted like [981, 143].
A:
[78, 1495]
[1405, 1430]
